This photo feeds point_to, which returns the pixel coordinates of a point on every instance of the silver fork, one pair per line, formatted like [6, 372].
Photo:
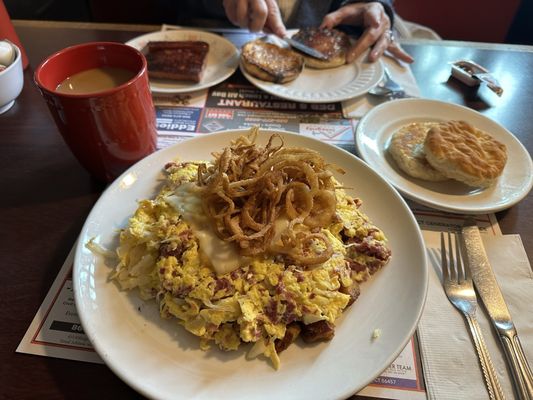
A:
[460, 291]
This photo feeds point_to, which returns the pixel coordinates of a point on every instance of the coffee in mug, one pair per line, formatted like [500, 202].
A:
[95, 80]
[99, 96]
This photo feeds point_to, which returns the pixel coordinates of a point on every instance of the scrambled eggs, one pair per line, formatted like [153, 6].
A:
[160, 255]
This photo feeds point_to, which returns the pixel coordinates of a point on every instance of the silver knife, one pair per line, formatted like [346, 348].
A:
[304, 49]
[492, 298]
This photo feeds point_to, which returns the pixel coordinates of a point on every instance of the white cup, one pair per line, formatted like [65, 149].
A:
[11, 82]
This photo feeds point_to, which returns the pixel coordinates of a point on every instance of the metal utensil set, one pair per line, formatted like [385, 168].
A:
[464, 260]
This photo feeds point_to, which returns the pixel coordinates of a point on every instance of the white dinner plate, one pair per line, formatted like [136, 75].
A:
[376, 128]
[161, 360]
[326, 85]
[222, 59]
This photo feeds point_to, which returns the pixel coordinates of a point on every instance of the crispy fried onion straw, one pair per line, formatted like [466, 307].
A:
[250, 189]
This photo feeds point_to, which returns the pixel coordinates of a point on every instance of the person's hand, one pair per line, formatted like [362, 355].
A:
[256, 15]
[377, 32]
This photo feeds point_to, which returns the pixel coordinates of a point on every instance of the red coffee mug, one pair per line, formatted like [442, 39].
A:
[107, 131]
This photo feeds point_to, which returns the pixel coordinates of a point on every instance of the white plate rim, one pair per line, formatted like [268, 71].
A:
[439, 201]
[274, 88]
[205, 35]
[99, 343]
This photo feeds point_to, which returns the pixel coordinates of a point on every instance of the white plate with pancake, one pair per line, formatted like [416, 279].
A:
[326, 85]
[222, 59]
[161, 360]
[373, 135]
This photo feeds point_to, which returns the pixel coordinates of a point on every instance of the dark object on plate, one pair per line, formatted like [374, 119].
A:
[179, 60]
[271, 63]
[353, 291]
[332, 43]
[318, 331]
[291, 334]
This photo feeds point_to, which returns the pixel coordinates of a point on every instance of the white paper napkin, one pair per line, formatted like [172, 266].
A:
[400, 72]
[451, 368]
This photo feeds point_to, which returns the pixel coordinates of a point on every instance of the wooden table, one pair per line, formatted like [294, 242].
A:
[46, 194]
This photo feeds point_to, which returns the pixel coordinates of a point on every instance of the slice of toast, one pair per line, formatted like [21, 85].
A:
[179, 60]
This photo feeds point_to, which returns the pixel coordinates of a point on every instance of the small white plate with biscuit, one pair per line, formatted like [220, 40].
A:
[377, 128]
[222, 59]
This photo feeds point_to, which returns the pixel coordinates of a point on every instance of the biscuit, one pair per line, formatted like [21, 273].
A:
[407, 149]
[465, 153]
